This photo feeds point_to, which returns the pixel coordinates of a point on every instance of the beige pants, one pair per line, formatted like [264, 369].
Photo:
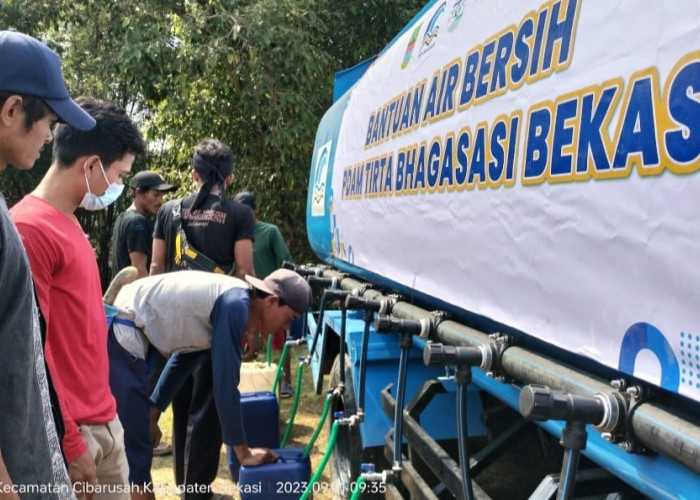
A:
[106, 445]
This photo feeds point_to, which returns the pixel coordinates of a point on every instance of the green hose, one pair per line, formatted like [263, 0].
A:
[295, 404]
[269, 349]
[358, 488]
[324, 461]
[324, 414]
[278, 374]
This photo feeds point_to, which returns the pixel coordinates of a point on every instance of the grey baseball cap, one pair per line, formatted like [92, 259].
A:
[289, 286]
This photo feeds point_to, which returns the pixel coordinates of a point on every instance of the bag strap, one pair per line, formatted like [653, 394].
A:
[180, 237]
[188, 257]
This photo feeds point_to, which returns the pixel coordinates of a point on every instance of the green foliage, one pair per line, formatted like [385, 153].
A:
[256, 74]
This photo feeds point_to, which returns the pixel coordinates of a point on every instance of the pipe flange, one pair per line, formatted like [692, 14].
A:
[487, 354]
[385, 306]
[619, 407]
[436, 317]
[499, 343]
[426, 328]
[614, 410]
[503, 340]
[636, 395]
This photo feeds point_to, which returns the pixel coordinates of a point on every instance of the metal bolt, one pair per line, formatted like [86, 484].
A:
[502, 339]
[626, 446]
[633, 391]
[618, 384]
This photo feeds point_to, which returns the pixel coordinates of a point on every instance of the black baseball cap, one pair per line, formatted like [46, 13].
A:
[247, 198]
[148, 179]
[29, 67]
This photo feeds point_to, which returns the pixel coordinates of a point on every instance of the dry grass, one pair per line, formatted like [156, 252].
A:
[305, 422]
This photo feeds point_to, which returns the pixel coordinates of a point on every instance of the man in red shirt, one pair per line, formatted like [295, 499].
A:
[87, 171]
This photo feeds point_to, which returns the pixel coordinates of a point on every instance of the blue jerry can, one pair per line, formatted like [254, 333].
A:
[285, 479]
[261, 415]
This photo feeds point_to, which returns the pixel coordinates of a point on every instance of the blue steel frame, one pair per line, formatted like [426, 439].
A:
[438, 419]
[653, 475]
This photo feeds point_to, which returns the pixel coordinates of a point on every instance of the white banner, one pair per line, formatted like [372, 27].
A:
[536, 163]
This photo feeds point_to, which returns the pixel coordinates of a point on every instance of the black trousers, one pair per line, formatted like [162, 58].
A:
[196, 433]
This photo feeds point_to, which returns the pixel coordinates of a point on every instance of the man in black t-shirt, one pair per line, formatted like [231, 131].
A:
[219, 228]
[222, 230]
[132, 238]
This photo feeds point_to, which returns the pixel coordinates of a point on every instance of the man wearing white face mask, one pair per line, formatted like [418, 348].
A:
[87, 171]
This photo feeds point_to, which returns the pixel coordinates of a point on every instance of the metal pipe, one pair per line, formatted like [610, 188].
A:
[573, 439]
[363, 363]
[341, 354]
[661, 429]
[319, 323]
[398, 411]
[568, 474]
[463, 439]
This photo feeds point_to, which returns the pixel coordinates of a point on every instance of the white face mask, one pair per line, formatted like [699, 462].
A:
[93, 202]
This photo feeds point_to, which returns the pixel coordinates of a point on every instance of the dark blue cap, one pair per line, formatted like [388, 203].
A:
[29, 67]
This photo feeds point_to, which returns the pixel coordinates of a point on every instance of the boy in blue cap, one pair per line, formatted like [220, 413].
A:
[32, 97]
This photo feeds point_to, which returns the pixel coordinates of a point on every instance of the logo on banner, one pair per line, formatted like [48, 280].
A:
[642, 337]
[432, 31]
[690, 360]
[338, 247]
[455, 14]
[318, 197]
[411, 45]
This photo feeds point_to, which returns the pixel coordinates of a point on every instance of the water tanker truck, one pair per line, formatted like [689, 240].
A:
[504, 204]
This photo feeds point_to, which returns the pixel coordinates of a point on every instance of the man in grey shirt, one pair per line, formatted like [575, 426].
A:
[187, 314]
[32, 97]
